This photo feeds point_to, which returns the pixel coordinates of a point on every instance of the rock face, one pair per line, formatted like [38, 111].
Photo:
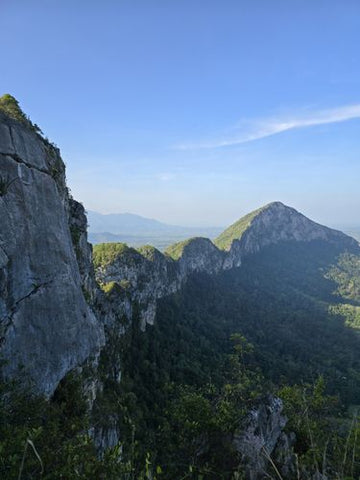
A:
[47, 327]
[261, 439]
[145, 275]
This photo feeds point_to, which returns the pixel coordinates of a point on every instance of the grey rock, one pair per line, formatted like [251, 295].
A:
[200, 255]
[284, 456]
[319, 476]
[258, 437]
[46, 326]
[149, 275]
[106, 436]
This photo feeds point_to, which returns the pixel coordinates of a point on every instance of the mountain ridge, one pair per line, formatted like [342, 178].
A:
[273, 224]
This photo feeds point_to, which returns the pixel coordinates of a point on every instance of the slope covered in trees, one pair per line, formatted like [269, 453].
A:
[277, 324]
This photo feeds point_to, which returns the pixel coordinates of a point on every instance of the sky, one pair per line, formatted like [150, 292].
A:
[194, 112]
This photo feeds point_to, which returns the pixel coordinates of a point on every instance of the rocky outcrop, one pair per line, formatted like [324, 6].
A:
[200, 255]
[145, 275]
[261, 439]
[47, 327]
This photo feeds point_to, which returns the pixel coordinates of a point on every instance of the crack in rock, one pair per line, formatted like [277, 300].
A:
[20, 161]
[7, 321]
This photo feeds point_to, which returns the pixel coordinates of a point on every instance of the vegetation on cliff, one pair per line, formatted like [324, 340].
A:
[106, 253]
[10, 106]
[236, 230]
[50, 439]
[175, 250]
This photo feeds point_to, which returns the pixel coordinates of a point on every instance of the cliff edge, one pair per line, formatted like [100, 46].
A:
[46, 325]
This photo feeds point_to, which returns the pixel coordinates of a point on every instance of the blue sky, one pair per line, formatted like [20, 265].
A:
[194, 112]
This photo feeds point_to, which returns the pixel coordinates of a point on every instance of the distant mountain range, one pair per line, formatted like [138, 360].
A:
[136, 230]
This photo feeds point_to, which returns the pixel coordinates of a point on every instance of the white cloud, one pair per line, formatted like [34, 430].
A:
[272, 126]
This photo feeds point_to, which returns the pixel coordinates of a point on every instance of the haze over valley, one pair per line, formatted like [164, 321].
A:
[136, 230]
[180, 240]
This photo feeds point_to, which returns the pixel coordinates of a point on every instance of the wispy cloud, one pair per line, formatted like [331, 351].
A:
[262, 128]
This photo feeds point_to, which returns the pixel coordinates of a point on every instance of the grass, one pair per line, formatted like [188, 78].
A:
[105, 253]
[117, 287]
[10, 106]
[148, 251]
[236, 230]
[175, 251]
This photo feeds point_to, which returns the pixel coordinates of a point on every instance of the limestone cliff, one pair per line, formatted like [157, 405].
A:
[47, 327]
[146, 275]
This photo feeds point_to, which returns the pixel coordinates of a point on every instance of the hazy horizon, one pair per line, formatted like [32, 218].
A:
[194, 113]
[352, 223]
[339, 226]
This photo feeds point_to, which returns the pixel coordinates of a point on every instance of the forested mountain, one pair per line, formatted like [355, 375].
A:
[233, 359]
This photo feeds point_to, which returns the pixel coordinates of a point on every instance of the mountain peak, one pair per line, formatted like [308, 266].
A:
[275, 204]
[274, 223]
[237, 229]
